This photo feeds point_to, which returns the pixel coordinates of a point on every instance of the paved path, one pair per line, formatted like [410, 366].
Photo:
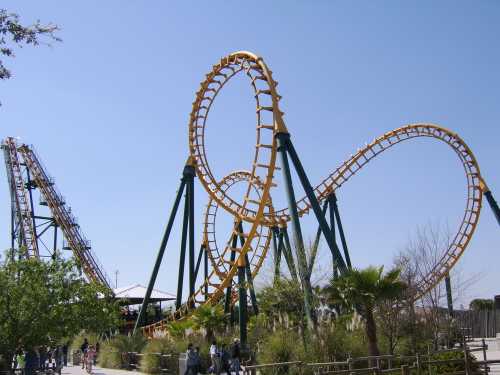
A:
[77, 370]
[492, 353]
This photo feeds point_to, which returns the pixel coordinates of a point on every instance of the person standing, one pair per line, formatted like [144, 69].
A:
[20, 361]
[65, 354]
[97, 347]
[236, 356]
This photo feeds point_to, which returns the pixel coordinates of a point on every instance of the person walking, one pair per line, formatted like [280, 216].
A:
[225, 359]
[236, 356]
[90, 358]
[84, 348]
[191, 361]
[213, 351]
[198, 359]
[42, 352]
[65, 354]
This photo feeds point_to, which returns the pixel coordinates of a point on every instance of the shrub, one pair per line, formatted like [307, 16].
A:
[281, 346]
[449, 368]
[110, 354]
[152, 363]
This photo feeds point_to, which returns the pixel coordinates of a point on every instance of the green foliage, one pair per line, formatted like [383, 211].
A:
[151, 363]
[362, 290]
[452, 367]
[110, 355]
[42, 302]
[11, 28]
[177, 329]
[480, 304]
[283, 303]
[77, 341]
[209, 318]
[282, 346]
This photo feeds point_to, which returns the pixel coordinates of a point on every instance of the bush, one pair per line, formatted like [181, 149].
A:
[152, 364]
[110, 354]
[335, 342]
[281, 346]
[453, 367]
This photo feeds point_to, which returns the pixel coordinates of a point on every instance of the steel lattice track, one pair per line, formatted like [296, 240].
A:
[255, 208]
[75, 238]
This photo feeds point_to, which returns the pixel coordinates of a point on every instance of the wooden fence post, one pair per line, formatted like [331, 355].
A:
[405, 370]
[350, 365]
[484, 357]
[418, 364]
[466, 359]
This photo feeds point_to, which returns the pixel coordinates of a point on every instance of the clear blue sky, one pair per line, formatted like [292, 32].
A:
[108, 109]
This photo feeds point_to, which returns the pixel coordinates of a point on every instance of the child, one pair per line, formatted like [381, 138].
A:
[90, 358]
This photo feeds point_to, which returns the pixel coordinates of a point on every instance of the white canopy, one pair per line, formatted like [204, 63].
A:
[135, 294]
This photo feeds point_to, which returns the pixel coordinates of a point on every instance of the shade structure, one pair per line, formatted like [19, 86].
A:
[134, 294]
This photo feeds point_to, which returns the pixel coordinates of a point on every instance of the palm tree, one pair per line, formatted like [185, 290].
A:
[209, 318]
[362, 290]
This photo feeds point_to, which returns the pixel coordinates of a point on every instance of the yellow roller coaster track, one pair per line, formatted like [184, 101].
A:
[255, 207]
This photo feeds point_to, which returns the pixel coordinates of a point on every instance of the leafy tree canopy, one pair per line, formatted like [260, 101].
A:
[13, 33]
[42, 302]
[481, 304]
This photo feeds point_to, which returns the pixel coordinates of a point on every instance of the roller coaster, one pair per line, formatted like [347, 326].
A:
[258, 225]
[225, 274]
[26, 175]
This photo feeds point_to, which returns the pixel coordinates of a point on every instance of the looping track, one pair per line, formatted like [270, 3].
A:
[256, 209]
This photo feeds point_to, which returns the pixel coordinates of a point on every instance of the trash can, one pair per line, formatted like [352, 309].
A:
[76, 357]
[182, 363]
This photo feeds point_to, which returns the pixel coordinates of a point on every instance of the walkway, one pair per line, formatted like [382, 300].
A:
[77, 370]
[493, 352]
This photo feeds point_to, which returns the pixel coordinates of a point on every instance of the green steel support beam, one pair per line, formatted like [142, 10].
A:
[198, 262]
[341, 231]
[253, 297]
[227, 302]
[286, 249]
[332, 230]
[159, 257]
[277, 256]
[242, 305]
[192, 277]
[205, 261]
[182, 258]
[283, 149]
[493, 205]
[314, 250]
[449, 297]
[287, 143]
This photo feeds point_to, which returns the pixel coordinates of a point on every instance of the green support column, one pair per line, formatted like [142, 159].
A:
[159, 257]
[493, 205]
[182, 258]
[341, 231]
[304, 180]
[286, 249]
[449, 297]
[227, 302]
[206, 272]
[243, 309]
[192, 278]
[314, 250]
[282, 138]
[253, 297]
[277, 256]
